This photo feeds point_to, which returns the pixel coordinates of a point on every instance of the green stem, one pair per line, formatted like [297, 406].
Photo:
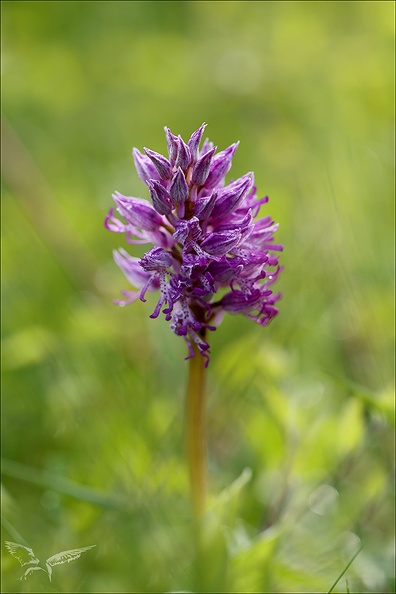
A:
[195, 434]
[345, 569]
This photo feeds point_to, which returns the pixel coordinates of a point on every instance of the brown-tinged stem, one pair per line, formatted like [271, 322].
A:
[195, 433]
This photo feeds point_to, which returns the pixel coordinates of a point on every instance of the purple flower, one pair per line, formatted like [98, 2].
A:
[210, 253]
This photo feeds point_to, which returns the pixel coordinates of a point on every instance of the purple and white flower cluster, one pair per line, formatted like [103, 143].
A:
[211, 254]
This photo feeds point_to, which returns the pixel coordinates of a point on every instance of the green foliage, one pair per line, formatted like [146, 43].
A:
[300, 415]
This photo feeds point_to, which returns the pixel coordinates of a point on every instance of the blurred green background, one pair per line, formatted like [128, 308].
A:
[93, 394]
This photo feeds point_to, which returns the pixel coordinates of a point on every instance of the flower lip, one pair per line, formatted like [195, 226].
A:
[187, 229]
[156, 259]
[134, 272]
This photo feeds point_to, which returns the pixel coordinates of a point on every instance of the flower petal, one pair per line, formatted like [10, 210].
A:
[232, 195]
[137, 212]
[219, 244]
[220, 165]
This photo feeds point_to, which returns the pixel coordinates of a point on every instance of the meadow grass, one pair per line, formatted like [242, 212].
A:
[300, 415]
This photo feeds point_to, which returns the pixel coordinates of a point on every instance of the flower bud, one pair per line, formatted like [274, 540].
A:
[201, 169]
[204, 206]
[160, 197]
[161, 164]
[144, 167]
[173, 146]
[178, 189]
[137, 212]
[193, 143]
[183, 156]
[226, 270]
[232, 195]
[220, 165]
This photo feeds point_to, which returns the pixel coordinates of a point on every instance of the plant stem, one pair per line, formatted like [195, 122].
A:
[345, 569]
[195, 434]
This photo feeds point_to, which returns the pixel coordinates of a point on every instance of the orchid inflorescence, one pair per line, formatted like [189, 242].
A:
[211, 254]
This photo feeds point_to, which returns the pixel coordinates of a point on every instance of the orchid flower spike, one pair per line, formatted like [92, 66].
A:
[209, 253]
